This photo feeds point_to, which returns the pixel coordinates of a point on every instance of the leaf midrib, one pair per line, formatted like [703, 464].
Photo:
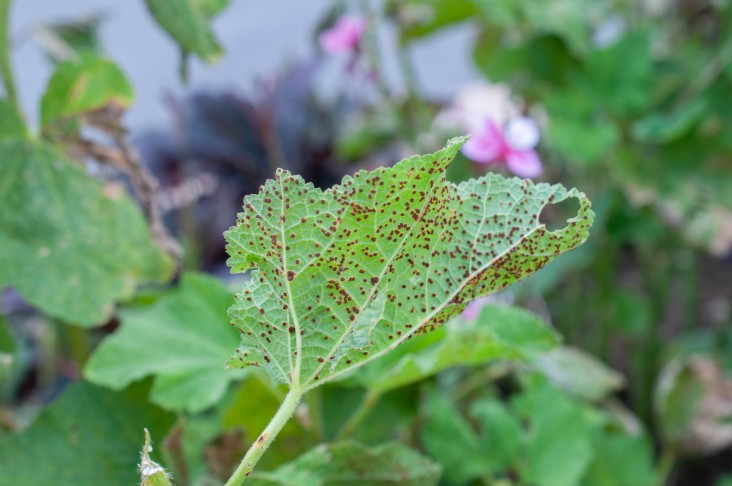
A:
[372, 292]
[414, 329]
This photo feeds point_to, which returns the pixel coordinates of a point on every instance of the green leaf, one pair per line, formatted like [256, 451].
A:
[75, 37]
[499, 332]
[209, 8]
[11, 123]
[663, 127]
[621, 460]
[179, 340]
[579, 373]
[345, 275]
[8, 351]
[81, 85]
[570, 115]
[419, 18]
[69, 244]
[348, 462]
[559, 447]
[450, 439]
[625, 91]
[89, 436]
[186, 21]
[677, 400]
[502, 437]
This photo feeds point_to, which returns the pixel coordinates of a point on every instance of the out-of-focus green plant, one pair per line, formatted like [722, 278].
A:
[630, 105]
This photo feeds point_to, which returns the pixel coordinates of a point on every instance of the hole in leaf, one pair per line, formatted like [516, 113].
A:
[555, 216]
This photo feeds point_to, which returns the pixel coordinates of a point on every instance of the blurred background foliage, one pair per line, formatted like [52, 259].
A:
[109, 324]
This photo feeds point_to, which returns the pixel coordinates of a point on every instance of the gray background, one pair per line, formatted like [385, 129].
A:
[259, 36]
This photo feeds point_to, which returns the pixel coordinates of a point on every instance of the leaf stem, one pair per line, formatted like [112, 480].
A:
[368, 401]
[255, 452]
[666, 465]
[6, 70]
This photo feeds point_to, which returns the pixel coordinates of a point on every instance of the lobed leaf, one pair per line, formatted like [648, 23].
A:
[69, 244]
[352, 463]
[178, 340]
[342, 276]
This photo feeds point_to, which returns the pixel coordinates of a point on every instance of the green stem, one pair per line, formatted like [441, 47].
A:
[368, 401]
[371, 50]
[665, 465]
[255, 452]
[6, 71]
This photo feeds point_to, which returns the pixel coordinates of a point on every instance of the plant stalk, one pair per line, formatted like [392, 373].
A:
[6, 70]
[255, 452]
[368, 401]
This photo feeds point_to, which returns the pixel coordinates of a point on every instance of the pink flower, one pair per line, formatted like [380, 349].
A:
[472, 310]
[344, 36]
[514, 145]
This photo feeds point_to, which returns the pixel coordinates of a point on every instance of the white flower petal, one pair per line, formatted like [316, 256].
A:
[522, 133]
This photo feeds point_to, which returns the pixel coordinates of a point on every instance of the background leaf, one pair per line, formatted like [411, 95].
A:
[179, 339]
[559, 448]
[450, 439]
[84, 84]
[8, 351]
[89, 436]
[70, 245]
[499, 332]
[579, 373]
[186, 21]
[351, 463]
[345, 275]
[11, 123]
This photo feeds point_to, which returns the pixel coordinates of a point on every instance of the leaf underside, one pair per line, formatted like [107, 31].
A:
[342, 276]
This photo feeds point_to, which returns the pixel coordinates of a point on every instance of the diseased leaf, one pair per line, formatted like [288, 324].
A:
[343, 276]
[70, 245]
[351, 463]
[499, 332]
[179, 340]
[186, 21]
[89, 436]
[81, 85]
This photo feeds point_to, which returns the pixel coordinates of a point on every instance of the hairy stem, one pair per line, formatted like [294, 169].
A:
[255, 452]
[368, 401]
[6, 70]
